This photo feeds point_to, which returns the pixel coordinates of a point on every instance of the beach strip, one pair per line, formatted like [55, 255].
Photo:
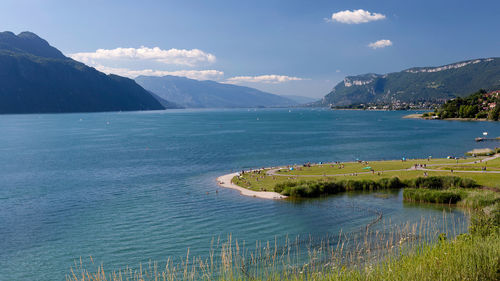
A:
[226, 181]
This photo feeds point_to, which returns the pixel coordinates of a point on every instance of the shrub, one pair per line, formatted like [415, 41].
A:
[482, 115]
[483, 225]
[432, 196]
[396, 183]
[326, 187]
[442, 182]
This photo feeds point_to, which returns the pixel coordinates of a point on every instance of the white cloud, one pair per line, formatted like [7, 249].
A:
[356, 16]
[193, 74]
[380, 44]
[191, 57]
[268, 79]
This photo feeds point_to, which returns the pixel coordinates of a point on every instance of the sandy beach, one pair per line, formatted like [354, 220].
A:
[225, 181]
[414, 116]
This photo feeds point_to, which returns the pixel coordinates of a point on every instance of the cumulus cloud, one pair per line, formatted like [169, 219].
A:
[356, 16]
[185, 57]
[380, 44]
[193, 74]
[268, 79]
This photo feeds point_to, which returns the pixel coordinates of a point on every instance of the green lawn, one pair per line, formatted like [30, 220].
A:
[492, 165]
[355, 167]
[382, 169]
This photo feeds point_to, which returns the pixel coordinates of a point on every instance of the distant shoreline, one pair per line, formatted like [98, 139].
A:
[366, 109]
[420, 116]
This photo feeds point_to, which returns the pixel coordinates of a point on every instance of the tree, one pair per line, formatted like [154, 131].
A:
[495, 113]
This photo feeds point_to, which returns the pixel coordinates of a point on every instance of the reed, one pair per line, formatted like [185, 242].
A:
[323, 187]
[411, 251]
[464, 197]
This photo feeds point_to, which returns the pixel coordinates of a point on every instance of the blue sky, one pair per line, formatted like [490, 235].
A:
[284, 47]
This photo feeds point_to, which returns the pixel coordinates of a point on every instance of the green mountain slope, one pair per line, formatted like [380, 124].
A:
[191, 93]
[433, 84]
[37, 78]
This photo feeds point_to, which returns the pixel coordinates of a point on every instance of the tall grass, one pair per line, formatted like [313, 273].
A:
[408, 252]
[316, 188]
[451, 196]
[329, 186]
[468, 198]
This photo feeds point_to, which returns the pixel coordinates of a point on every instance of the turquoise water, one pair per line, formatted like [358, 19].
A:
[130, 187]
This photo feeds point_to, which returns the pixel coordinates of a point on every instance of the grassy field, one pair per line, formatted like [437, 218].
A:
[355, 167]
[262, 181]
[492, 165]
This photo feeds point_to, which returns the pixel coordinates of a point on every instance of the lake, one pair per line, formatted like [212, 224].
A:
[125, 188]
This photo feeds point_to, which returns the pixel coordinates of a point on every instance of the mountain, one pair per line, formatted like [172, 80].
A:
[165, 103]
[209, 94]
[418, 84]
[37, 78]
[300, 99]
[30, 43]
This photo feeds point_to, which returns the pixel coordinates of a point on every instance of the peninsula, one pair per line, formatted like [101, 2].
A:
[447, 180]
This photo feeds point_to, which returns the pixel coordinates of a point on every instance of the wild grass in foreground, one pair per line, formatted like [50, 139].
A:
[410, 252]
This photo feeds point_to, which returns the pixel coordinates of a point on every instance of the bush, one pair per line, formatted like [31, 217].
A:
[483, 225]
[482, 115]
[432, 196]
[442, 182]
[327, 187]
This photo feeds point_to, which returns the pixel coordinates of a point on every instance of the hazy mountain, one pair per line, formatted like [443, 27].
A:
[205, 94]
[417, 84]
[300, 99]
[37, 78]
[167, 104]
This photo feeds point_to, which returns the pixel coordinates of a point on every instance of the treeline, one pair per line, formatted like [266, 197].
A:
[317, 188]
[477, 106]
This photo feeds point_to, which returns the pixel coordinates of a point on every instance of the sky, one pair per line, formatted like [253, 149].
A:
[284, 47]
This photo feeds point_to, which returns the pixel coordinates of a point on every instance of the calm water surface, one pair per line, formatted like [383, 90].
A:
[129, 187]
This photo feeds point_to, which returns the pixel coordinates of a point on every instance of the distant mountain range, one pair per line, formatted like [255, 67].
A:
[300, 99]
[191, 93]
[37, 78]
[434, 84]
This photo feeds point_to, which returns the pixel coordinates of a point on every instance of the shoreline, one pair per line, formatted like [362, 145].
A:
[226, 181]
[420, 116]
[366, 109]
[414, 116]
